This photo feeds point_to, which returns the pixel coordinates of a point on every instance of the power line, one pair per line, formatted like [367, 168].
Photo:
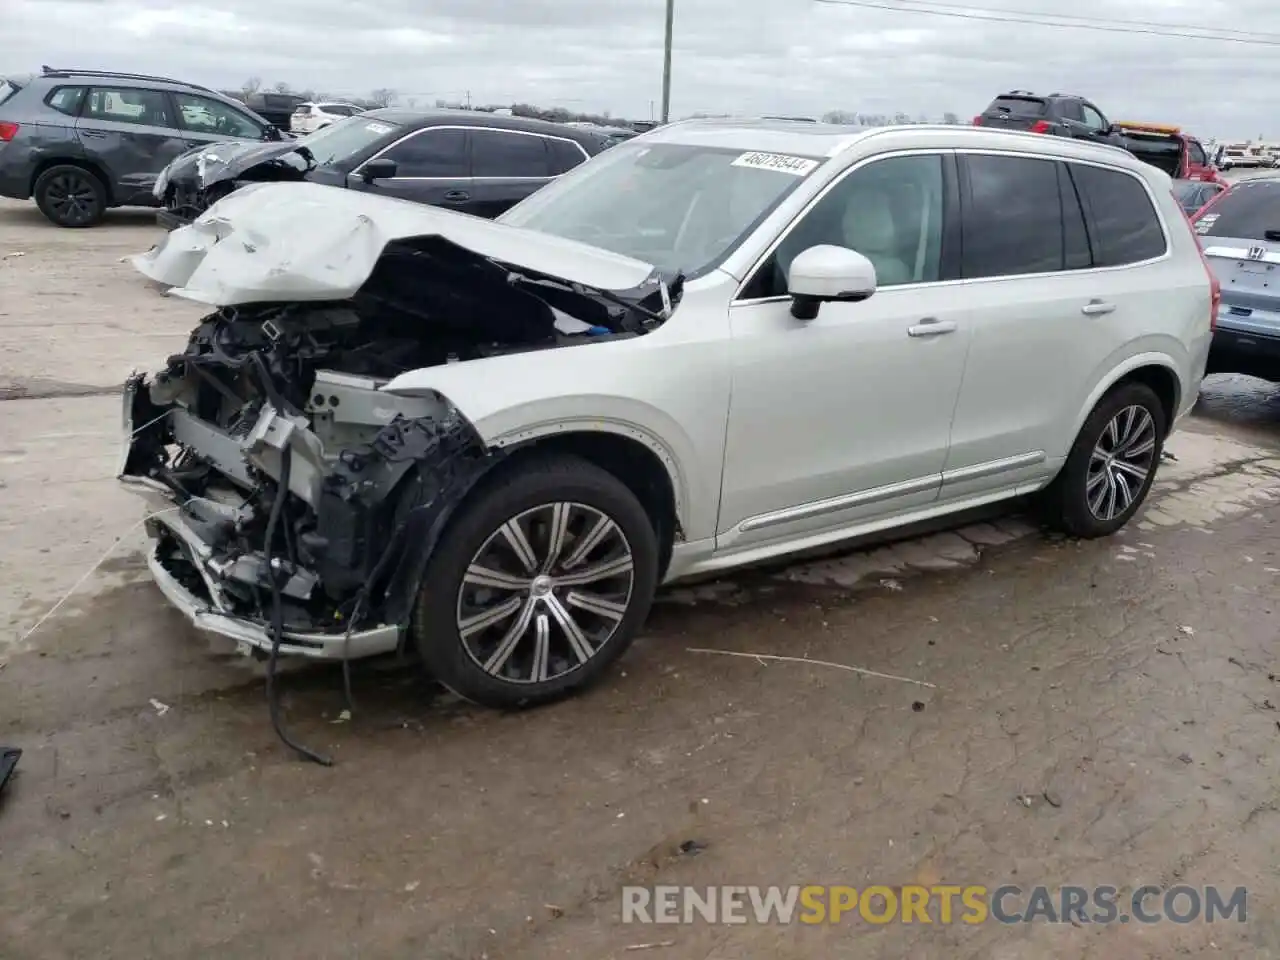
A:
[1115, 27]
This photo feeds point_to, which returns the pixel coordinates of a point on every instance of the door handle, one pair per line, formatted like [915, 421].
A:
[95, 134]
[457, 196]
[931, 327]
[1096, 308]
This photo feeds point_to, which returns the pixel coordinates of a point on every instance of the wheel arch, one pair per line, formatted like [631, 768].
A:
[1155, 370]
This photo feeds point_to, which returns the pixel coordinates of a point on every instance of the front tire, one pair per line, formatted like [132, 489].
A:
[538, 585]
[70, 196]
[1111, 465]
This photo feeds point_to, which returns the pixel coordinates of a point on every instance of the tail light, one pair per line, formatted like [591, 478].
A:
[8, 131]
[977, 121]
[1041, 126]
[1215, 285]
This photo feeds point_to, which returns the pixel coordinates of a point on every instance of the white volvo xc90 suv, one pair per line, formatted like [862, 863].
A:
[719, 343]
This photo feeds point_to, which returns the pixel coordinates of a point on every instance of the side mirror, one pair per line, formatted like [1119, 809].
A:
[380, 169]
[272, 133]
[825, 274]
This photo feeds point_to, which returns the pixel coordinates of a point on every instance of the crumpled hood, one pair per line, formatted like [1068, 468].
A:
[274, 242]
[212, 163]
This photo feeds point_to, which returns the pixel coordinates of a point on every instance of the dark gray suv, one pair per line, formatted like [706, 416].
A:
[80, 141]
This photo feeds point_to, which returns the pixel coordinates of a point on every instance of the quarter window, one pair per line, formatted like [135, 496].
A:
[499, 154]
[202, 115]
[1126, 227]
[431, 153]
[148, 108]
[1093, 118]
[890, 211]
[1013, 221]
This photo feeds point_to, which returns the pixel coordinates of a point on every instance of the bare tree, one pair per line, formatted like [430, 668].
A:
[282, 87]
[251, 86]
[382, 96]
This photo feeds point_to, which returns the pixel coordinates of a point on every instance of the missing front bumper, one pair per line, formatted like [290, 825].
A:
[188, 578]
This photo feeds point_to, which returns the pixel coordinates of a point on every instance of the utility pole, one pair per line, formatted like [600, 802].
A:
[468, 99]
[666, 64]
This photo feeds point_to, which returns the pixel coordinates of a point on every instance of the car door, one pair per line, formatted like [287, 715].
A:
[432, 166]
[205, 120]
[132, 133]
[1197, 160]
[846, 418]
[1044, 318]
[506, 166]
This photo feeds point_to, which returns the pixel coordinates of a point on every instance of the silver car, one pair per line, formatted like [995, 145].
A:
[1241, 238]
[716, 344]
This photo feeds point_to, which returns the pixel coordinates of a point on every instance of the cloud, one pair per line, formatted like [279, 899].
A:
[738, 56]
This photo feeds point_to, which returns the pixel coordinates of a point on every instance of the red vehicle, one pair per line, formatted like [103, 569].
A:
[1180, 155]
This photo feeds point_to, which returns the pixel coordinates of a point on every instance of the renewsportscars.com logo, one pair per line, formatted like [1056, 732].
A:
[944, 904]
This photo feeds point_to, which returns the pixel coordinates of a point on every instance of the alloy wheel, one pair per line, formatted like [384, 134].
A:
[71, 198]
[545, 592]
[1121, 462]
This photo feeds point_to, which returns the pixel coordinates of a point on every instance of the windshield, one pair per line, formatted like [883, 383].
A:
[340, 140]
[1246, 213]
[678, 207]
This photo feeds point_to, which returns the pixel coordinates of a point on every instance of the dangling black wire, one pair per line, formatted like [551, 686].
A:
[277, 614]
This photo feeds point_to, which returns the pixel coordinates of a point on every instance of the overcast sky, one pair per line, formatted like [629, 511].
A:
[738, 56]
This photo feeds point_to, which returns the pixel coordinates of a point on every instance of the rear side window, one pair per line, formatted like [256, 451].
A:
[1013, 222]
[1247, 212]
[66, 100]
[564, 156]
[438, 154]
[499, 154]
[7, 89]
[1017, 107]
[1126, 227]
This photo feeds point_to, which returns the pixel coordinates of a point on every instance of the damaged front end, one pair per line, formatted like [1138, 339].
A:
[199, 178]
[296, 501]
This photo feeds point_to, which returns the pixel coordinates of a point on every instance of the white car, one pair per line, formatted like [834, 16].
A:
[310, 117]
[718, 344]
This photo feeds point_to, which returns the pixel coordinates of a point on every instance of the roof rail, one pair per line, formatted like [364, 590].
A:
[1027, 92]
[75, 71]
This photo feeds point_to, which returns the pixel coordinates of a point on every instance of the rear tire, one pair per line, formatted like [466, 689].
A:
[70, 196]
[1112, 464]
[505, 618]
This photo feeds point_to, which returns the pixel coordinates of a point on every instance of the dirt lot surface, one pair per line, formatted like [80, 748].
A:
[1101, 713]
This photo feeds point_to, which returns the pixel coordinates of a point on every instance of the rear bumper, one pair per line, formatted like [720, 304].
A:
[1246, 352]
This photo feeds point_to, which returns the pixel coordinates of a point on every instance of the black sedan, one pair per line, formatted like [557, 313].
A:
[470, 161]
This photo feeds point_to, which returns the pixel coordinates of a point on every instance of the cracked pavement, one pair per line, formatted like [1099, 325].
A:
[1132, 680]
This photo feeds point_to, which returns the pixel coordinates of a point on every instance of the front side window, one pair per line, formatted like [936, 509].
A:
[66, 100]
[565, 155]
[204, 115]
[498, 154]
[680, 207]
[148, 108]
[431, 153]
[1126, 227]
[890, 211]
[1195, 154]
[1013, 221]
[1093, 118]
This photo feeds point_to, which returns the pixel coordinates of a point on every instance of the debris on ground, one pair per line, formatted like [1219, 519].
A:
[651, 946]
[890, 584]
[343, 717]
[1189, 631]
[692, 847]
[552, 909]
[1051, 797]
[818, 663]
[160, 708]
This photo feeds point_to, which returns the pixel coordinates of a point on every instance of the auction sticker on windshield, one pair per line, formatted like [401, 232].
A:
[776, 161]
[379, 128]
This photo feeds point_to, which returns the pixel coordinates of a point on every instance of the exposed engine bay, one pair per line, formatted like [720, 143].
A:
[302, 501]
